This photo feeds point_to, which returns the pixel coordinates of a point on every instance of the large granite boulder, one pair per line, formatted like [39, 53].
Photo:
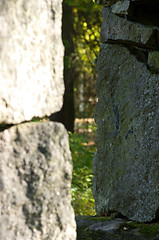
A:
[31, 55]
[35, 179]
[126, 165]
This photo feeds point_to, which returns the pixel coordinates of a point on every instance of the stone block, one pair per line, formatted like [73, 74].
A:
[121, 7]
[126, 165]
[106, 2]
[111, 2]
[122, 31]
[31, 59]
[153, 61]
[35, 181]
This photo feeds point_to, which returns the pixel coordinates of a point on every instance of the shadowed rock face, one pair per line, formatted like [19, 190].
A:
[120, 30]
[106, 2]
[126, 163]
[127, 115]
[35, 179]
[111, 2]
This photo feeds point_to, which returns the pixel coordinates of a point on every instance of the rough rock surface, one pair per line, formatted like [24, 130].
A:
[111, 2]
[95, 228]
[153, 61]
[31, 65]
[121, 7]
[126, 164]
[120, 30]
[35, 179]
[106, 2]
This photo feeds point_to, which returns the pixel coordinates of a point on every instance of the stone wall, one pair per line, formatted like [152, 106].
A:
[126, 164]
[35, 160]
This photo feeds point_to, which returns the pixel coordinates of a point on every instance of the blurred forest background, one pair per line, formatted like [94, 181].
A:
[81, 38]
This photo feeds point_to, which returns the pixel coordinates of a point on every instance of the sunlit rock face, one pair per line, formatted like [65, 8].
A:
[126, 165]
[35, 160]
[31, 55]
[35, 179]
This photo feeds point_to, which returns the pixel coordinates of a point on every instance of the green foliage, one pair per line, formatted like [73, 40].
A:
[82, 198]
[86, 37]
[93, 128]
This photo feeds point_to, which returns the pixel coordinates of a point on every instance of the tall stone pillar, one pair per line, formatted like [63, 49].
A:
[126, 164]
[35, 160]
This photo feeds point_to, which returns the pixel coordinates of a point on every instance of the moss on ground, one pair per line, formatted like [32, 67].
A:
[148, 230]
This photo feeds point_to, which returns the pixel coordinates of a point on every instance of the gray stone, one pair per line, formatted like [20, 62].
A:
[109, 226]
[106, 2]
[35, 181]
[122, 31]
[111, 2]
[153, 61]
[31, 59]
[121, 7]
[126, 165]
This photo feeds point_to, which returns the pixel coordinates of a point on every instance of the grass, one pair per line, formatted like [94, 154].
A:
[83, 148]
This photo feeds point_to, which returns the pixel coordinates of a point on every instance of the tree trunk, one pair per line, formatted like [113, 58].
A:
[67, 113]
